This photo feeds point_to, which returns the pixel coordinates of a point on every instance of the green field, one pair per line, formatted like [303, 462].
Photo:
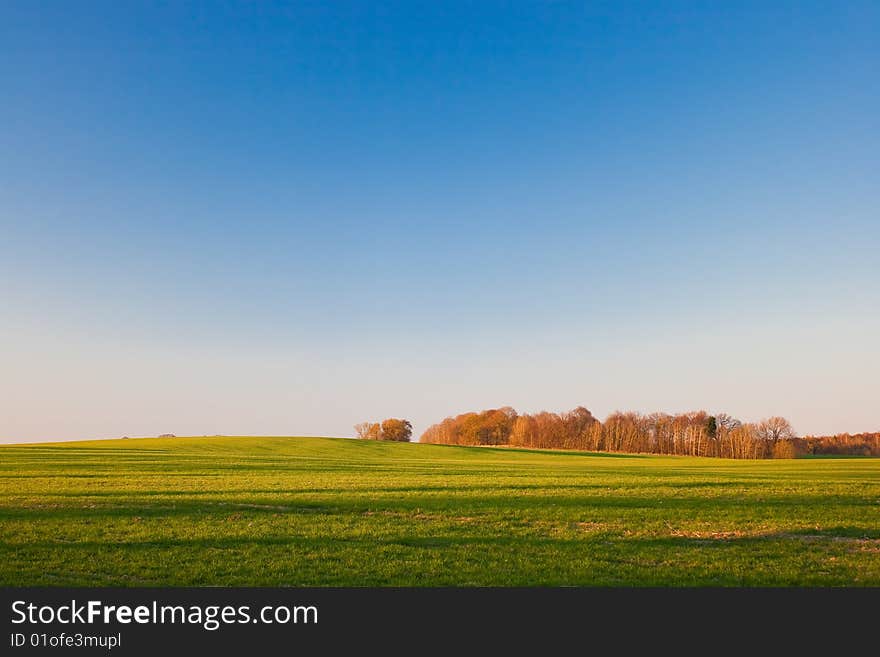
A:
[319, 511]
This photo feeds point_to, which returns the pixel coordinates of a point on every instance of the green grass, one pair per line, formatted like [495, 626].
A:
[319, 511]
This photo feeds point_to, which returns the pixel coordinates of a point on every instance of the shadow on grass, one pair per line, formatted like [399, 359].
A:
[501, 507]
[456, 489]
[600, 541]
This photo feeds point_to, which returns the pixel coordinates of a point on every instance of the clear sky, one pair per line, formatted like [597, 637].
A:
[260, 218]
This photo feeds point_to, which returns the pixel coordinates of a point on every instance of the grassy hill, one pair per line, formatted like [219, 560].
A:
[321, 511]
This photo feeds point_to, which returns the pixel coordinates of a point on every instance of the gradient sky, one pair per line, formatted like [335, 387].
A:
[258, 218]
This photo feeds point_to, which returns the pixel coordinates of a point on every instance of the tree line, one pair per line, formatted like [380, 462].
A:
[856, 444]
[693, 434]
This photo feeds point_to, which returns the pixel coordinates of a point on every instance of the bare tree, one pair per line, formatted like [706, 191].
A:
[774, 429]
[368, 430]
[727, 422]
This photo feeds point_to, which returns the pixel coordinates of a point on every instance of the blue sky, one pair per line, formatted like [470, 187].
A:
[273, 218]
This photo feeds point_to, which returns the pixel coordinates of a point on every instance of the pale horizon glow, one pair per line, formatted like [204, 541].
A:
[284, 220]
